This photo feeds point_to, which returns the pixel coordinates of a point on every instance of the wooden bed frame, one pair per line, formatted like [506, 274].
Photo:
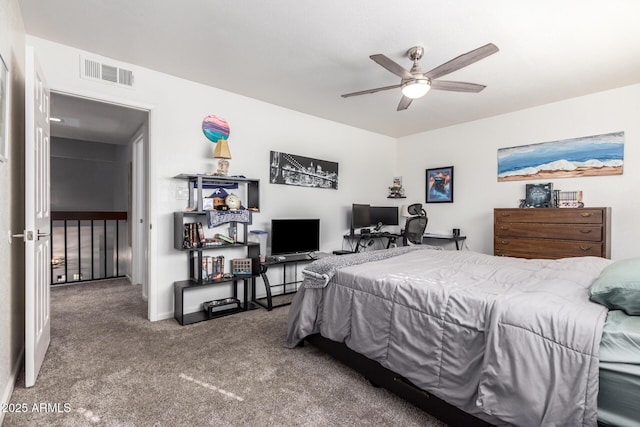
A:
[379, 376]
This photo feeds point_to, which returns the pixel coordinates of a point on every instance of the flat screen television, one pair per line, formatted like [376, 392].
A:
[360, 216]
[385, 215]
[292, 236]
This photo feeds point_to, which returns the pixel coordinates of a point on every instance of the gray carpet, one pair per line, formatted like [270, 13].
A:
[109, 366]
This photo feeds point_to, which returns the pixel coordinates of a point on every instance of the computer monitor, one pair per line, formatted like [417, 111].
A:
[360, 216]
[385, 215]
[291, 236]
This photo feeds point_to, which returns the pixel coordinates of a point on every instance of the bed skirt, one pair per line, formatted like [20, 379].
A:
[380, 376]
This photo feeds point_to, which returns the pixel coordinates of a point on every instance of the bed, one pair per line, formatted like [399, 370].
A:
[619, 392]
[483, 339]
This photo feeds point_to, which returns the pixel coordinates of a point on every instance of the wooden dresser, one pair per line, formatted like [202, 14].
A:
[552, 232]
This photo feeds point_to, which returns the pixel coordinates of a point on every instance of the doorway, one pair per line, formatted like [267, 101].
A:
[98, 190]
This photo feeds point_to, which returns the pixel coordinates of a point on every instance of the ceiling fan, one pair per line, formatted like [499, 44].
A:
[415, 83]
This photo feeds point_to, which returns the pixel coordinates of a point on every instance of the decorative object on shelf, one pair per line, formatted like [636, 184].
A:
[260, 237]
[212, 267]
[568, 199]
[233, 231]
[222, 153]
[222, 237]
[207, 203]
[439, 185]
[291, 169]
[232, 201]
[213, 307]
[595, 155]
[396, 191]
[193, 235]
[216, 129]
[4, 111]
[241, 266]
[219, 196]
[539, 195]
[217, 217]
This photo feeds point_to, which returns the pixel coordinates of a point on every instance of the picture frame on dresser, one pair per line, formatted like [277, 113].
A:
[539, 195]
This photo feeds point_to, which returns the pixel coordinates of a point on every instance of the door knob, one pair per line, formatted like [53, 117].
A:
[25, 235]
[30, 235]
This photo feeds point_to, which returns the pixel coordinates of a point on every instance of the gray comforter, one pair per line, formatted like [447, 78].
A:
[509, 340]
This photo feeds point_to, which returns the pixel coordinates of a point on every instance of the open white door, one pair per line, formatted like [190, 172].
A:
[37, 233]
[137, 217]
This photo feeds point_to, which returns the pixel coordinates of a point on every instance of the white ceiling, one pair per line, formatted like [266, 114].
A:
[88, 120]
[302, 54]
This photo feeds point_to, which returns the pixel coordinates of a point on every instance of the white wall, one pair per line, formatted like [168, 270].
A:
[12, 44]
[177, 145]
[92, 176]
[88, 176]
[472, 149]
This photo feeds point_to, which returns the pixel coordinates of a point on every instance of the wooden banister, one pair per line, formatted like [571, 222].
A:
[88, 215]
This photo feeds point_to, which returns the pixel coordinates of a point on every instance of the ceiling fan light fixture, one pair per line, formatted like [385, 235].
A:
[416, 88]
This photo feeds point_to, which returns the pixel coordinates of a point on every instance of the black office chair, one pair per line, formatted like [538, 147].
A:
[415, 225]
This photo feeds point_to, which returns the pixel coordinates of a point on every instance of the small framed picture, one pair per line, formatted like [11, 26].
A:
[207, 203]
[539, 195]
[439, 185]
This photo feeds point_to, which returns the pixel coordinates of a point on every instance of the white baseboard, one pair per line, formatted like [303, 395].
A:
[163, 316]
[11, 383]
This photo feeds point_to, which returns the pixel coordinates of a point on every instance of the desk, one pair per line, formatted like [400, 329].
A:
[449, 238]
[264, 267]
[379, 235]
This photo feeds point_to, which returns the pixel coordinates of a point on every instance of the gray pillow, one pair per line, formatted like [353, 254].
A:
[618, 286]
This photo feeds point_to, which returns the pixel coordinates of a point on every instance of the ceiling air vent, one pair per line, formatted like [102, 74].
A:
[95, 70]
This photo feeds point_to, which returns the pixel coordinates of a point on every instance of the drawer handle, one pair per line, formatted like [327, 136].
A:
[505, 214]
[504, 227]
[587, 231]
[586, 214]
[586, 248]
[504, 242]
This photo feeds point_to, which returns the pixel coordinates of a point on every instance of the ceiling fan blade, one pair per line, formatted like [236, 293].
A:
[462, 61]
[364, 92]
[392, 66]
[456, 86]
[404, 103]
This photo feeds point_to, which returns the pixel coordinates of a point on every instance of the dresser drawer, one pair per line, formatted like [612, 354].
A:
[551, 215]
[545, 248]
[529, 255]
[588, 232]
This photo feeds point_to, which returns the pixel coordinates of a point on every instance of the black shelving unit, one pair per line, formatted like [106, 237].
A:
[184, 286]
[195, 253]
